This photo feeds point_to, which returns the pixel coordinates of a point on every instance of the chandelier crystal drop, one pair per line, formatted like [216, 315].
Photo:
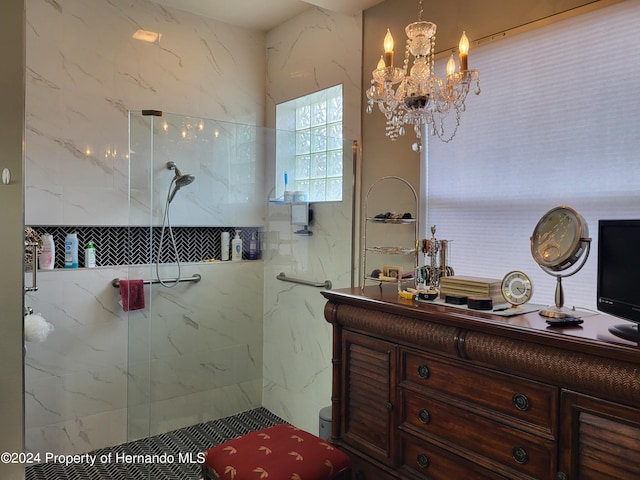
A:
[421, 98]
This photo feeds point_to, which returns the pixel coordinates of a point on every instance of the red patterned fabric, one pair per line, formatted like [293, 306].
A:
[282, 452]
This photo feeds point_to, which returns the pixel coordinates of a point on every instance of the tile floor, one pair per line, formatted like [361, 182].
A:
[190, 440]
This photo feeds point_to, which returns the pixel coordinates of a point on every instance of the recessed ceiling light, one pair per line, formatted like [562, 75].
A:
[147, 36]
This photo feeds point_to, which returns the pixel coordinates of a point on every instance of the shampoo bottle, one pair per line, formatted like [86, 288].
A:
[71, 250]
[48, 252]
[236, 247]
[90, 255]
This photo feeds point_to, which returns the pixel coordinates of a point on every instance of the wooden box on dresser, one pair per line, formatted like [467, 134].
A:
[423, 390]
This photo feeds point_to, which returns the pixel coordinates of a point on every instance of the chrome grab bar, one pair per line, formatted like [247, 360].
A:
[195, 278]
[34, 266]
[283, 277]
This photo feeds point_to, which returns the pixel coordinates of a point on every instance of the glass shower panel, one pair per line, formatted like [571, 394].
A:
[195, 349]
[141, 128]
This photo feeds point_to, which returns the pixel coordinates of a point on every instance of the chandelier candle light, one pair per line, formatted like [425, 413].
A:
[421, 98]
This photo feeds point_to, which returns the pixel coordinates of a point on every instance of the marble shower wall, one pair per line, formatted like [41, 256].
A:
[103, 376]
[313, 51]
[84, 74]
[227, 160]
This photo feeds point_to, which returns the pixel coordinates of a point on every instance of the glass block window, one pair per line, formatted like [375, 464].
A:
[310, 145]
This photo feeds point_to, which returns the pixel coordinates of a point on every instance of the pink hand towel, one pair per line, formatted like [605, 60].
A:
[132, 294]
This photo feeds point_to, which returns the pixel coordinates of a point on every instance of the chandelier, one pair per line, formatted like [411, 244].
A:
[421, 98]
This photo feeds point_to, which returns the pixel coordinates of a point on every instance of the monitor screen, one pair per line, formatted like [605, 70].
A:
[618, 288]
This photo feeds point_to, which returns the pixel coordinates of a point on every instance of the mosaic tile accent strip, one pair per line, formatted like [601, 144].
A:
[117, 246]
[194, 439]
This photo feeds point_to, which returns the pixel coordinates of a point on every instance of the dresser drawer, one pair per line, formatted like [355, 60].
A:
[420, 459]
[531, 402]
[363, 470]
[520, 451]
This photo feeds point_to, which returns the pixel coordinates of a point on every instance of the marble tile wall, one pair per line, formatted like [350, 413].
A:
[227, 160]
[203, 356]
[85, 72]
[103, 375]
[316, 50]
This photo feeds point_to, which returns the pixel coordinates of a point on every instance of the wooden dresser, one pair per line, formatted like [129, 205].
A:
[431, 391]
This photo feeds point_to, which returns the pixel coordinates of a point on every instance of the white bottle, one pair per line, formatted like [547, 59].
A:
[90, 256]
[236, 247]
[71, 250]
[224, 246]
[48, 252]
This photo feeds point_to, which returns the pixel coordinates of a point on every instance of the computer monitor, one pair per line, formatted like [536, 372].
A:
[618, 277]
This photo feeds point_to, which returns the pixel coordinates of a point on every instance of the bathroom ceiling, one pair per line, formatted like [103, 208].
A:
[262, 14]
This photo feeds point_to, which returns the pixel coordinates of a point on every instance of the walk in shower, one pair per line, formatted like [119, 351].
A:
[219, 341]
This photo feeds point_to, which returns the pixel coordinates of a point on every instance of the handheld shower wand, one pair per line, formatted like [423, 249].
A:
[178, 181]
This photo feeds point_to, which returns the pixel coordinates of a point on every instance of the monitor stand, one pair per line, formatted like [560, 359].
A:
[628, 332]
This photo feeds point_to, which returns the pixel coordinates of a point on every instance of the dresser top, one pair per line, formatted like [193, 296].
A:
[590, 337]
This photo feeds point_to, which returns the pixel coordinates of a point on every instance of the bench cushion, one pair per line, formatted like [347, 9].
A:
[277, 453]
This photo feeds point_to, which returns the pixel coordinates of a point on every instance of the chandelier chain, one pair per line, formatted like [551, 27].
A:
[420, 10]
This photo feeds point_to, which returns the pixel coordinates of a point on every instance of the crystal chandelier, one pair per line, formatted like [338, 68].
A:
[421, 98]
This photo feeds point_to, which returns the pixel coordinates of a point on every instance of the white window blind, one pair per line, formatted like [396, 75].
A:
[556, 124]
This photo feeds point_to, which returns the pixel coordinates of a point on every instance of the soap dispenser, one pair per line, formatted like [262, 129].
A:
[236, 247]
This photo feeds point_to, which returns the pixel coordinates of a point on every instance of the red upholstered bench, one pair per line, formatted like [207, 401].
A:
[282, 452]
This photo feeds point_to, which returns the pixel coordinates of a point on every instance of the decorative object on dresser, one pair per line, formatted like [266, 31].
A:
[399, 230]
[469, 286]
[438, 266]
[516, 288]
[559, 239]
[431, 391]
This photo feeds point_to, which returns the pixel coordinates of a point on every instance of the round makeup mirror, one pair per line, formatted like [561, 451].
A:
[559, 241]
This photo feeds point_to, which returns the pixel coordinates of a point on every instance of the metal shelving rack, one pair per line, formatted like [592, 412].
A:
[403, 249]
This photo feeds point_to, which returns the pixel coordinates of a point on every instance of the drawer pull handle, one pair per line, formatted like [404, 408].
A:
[520, 455]
[561, 476]
[424, 416]
[389, 406]
[521, 402]
[423, 371]
[423, 460]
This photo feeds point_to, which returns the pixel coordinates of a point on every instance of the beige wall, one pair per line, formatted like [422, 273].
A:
[11, 235]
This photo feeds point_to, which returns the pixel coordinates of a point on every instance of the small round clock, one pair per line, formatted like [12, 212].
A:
[517, 288]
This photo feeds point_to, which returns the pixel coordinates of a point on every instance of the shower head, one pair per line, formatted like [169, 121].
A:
[184, 180]
[180, 180]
